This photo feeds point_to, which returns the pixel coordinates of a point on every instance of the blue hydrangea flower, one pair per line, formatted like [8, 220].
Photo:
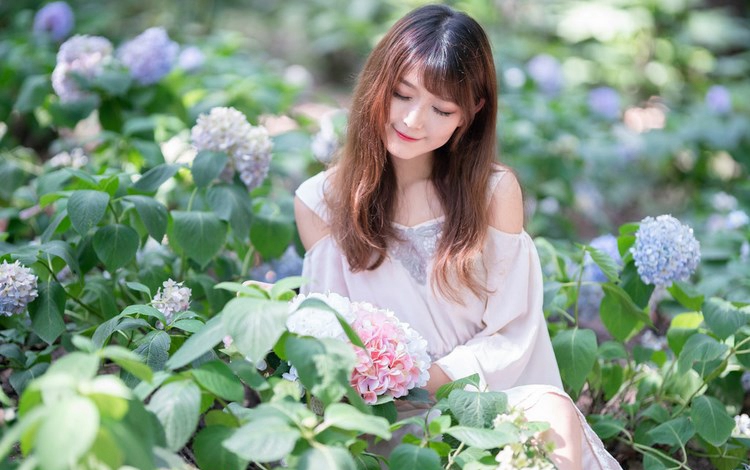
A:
[17, 288]
[55, 20]
[605, 102]
[80, 56]
[149, 56]
[290, 264]
[546, 72]
[665, 250]
[249, 147]
[608, 245]
[718, 100]
[191, 59]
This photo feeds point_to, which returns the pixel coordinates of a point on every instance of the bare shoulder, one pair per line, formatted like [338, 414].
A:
[506, 205]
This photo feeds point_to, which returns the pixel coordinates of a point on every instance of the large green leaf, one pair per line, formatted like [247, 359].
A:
[177, 405]
[218, 378]
[575, 350]
[271, 234]
[153, 214]
[232, 204]
[328, 457]
[34, 90]
[347, 417]
[115, 245]
[67, 433]
[155, 177]
[477, 409]
[324, 366]
[483, 438]
[207, 166]
[199, 234]
[263, 440]
[63, 251]
[86, 208]
[686, 295]
[255, 325]
[702, 353]
[458, 384]
[620, 315]
[675, 432]
[711, 420]
[128, 360]
[211, 455]
[636, 289]
[682, 327]
[723, 317]
[47, 311]
[605, 262]
[410, 456]
[154, 349]
[199, 343]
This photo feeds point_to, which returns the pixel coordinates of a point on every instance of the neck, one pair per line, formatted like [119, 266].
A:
[413, 170]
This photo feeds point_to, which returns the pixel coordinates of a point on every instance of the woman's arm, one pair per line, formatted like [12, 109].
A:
[310, 226]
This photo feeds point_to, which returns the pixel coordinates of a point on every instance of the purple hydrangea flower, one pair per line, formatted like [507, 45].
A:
[546, 72]
[718, 100]
[665, 250]
[191, 59]
[17, 288]
[605, 102]
[55, 20]
[608, 245]
[173, 299]
[149, 56]
[249, 147]
[82, 56]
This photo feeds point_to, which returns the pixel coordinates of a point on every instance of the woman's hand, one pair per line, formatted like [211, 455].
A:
[438, 378]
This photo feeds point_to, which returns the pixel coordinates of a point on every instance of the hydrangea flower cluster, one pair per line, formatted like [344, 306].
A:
[742, 425]
[665, 250]
[55, 20]
[529, 453]
[249, 147]
[395, 358]
[718, 100]
[17, 288]
[173, 299]
[546, 72]
[290, 264]
[191, 59]
[149, 56]
[80, 57]
[605, 102]
[73, 159]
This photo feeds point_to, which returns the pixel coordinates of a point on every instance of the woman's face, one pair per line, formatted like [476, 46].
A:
[419, 122]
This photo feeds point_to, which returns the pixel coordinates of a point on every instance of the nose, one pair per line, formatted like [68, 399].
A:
[413, 117]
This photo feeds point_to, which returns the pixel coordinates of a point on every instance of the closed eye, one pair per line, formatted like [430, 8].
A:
[441, 113]
[400, 96]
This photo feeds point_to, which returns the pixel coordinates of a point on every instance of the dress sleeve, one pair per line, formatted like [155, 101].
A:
[513, 346]
[312, 194]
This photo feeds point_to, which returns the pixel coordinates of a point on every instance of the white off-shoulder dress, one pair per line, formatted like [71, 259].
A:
[503, 338]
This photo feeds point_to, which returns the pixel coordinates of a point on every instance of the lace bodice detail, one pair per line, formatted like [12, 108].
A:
[416, 247]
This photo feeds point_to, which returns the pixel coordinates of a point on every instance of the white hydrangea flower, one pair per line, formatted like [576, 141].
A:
[742, 425]
[82, 55]
[665, 250]
[73, 159]
[249, 147]
[317, 322]
[18, 287]
[149, 56]
[723, 202]
[173, 299]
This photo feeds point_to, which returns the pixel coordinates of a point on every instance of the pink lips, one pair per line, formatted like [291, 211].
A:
[404, 136]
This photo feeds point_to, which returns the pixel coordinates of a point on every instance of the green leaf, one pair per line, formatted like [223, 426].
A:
[620, 315]
[271, 234]
[413, 457]
[702, 353]
[149, 150]
[114, 82]
[147, 310]
[686, 295]
[207, 166]
[86, 208]
[675, 432]
[477, 409]
[153, 214]
[255, 325]
[232, 204]
[483, 438]
[636, 290]
[34, 90]
[605, 262]
[347, 417]
[263, 440]
[249, 374]
[218, 378]
[200, 234]
[47, 311]
[156, 176]
[211, 455]
[189, 324]
[138, 287]
[63, 251]
[711, 420]
[199, 343]
[575, 350]
[128, 360]
[285, 285]
[324, 366]
[459, 384]
[682, 327]
[154, 349]
[606, 426]
[67, 433]
[177, 405]
[328, 457]
[723, 317]
[115, 245]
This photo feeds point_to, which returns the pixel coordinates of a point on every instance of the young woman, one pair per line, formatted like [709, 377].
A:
[416, 216]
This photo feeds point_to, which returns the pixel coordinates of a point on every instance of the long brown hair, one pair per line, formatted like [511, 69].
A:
[453, 55]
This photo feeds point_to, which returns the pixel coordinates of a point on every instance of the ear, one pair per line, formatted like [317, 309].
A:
[479, 105]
